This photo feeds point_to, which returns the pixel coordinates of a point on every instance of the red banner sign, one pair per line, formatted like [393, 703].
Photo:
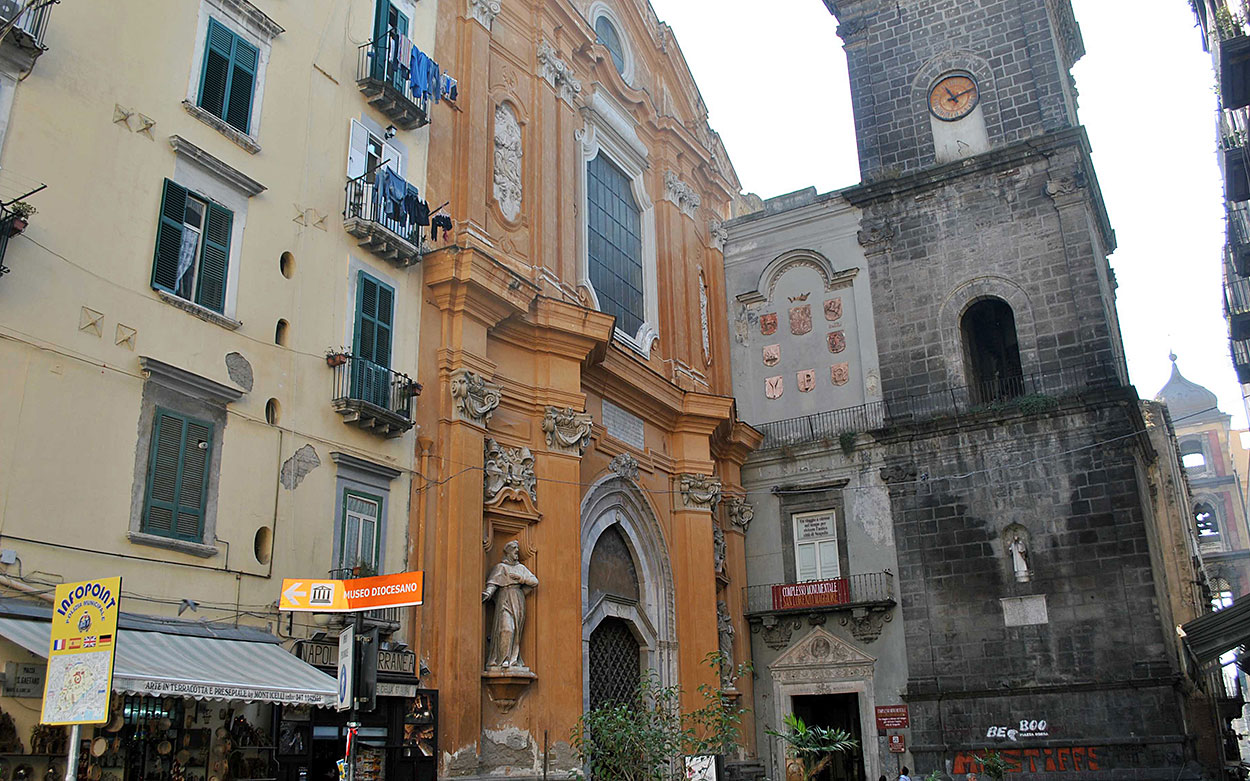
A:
[892, 717]
[814, 593]
[898, 744]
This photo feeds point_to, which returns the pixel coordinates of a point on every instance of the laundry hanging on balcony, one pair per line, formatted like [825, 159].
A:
[427, 79]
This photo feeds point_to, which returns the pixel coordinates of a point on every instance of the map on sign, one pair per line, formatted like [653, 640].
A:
[81, 683]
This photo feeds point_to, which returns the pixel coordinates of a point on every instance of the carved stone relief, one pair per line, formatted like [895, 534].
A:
[508, 473]
[719, 234]
[624, 465]
[567, 430]
[840, 373]
[473, 398]
[741, 513]
[718, 549]
[866, 627]
[680, 193]
[557, 73]
[483, 11]
[699, 492]
[725, 635]
[875, 232]
[703, 320]
[776, 632]
[800, 319]
[507, 161]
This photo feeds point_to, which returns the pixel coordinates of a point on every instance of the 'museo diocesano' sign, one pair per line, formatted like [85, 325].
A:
[345, 596]
[813, 593]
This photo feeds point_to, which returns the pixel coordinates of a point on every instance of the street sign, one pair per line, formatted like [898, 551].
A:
[348, 596]
[897, 743]
[892, 717]
[80, 655]
[347, 653]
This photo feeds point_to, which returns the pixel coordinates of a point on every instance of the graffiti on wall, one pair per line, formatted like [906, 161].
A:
[1034, 760]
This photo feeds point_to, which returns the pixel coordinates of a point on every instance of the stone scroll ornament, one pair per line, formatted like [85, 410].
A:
[837, 341]
[772, 354]
[768, 324]
[840, 373]
[508, 584]
[800, 319]
[700, 492]
[508, 473]
[806, 380]
[833, 309]
[473, 398]
[507, 161]
[567, 430]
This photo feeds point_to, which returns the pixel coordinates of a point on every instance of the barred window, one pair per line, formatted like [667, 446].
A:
[615, 243]
[615, 663]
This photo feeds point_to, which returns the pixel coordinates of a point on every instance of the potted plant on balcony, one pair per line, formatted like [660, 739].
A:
[336, 357]
[364, 569]
[412, 388]
[21, 214]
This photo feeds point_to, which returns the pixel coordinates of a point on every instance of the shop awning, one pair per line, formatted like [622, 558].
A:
[1208, 637]
[209, 668]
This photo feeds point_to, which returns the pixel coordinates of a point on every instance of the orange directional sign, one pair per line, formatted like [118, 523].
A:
[348, 596]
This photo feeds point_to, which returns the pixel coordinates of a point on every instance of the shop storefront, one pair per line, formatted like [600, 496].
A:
[397, 741]
[191, 702]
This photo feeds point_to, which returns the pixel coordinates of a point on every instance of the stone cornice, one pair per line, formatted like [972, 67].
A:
[466, 279]
[370, 467]
[187, 382]
[222, 170]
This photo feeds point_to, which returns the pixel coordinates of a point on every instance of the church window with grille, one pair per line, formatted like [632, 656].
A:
[615, 663]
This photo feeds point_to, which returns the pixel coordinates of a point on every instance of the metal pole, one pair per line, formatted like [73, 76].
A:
[353, 719]
[71, 761]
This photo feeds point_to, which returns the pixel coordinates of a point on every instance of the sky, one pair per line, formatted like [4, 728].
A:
[776, 89]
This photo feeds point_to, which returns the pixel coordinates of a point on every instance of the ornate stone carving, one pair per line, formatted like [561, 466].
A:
[567, 430]
[557, 73]
[898, 473]
[508, 474]
[725, 635]
[473, 398]
[718, 549]
[699, 492]
[507, 161]
[1016, 537]
[719, 234]
[875, 232]
[508, 584]
[852, 29]
[483, 11]
[624, 465]
[776, 632]
[741, 513]
[800, 319]
[1065, 185]
[866, 625]
[703, 319]
[680, 193]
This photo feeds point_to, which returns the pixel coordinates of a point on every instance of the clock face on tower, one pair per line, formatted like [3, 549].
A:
[953, 97]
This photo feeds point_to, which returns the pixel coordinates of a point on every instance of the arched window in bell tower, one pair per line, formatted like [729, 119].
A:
[991, 351]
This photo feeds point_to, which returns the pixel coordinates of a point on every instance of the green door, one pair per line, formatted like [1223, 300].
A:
[371, 345]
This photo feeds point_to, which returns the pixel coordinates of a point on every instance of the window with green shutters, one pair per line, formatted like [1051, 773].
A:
[371, 345]
[228, 78]
[177, 487]
[192, 247]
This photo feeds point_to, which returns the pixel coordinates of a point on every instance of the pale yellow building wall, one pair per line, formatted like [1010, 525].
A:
[70, 399]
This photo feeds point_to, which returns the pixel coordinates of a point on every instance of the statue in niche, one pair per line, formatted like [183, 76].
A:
[718, 549]
[1018, 550]
[509, 583]
[725, 632]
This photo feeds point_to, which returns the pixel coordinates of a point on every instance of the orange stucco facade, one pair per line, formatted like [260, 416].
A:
[512, 335]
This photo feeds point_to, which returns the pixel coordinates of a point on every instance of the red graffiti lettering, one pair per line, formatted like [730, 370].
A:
[1078, 753]
[1032, 760]
[1092, 762]
[1032, 754]
[1065, 756]
[1049, 754]
[1012, 756]
[964, 763]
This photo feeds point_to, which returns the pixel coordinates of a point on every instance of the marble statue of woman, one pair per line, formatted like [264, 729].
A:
[1019, 558]
[508, 583]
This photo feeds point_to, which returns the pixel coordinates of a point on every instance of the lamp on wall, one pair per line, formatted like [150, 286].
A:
[390, 132]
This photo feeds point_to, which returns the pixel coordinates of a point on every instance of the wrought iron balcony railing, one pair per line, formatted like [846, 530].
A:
[870, 589]
[373, 397]
[1237, 306]
[1241, 359]
[383, 221]
[26, 24]
[385, 82]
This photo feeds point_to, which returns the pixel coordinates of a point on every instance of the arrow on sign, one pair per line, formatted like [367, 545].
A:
[292, 594]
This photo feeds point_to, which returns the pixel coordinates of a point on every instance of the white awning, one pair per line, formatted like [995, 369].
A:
[205, 668]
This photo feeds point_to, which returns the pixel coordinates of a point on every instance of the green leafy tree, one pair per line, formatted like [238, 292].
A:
[645, 737]
[813, 747]
[994, 765]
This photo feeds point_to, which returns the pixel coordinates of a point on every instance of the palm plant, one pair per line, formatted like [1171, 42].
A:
[813, 747]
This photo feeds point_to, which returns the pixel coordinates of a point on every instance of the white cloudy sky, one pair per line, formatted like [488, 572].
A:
[774, 79]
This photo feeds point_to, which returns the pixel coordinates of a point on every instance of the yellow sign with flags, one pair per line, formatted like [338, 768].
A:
[80, 656]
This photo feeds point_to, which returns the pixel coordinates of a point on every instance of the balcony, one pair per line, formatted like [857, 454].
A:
[1028, 393]
[1233, 58]
[1234, 134]
[24, 42]
[869, 590]
[1237, 307]
[1241, 359]
[379, 223]
[385, 84]
[372, 397]
[9, 227]
[1239, 237]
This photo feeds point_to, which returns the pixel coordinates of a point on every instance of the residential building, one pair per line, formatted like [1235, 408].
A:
[577, 428]
[214, 223]
[953, 516]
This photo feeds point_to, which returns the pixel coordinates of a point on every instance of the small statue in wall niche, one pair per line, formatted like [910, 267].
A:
[508, 584]
[718, 549]
[1018, 550]
[725, 635]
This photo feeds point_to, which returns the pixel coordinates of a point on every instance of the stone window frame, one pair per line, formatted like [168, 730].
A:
[185, 393]
[360, 476]
[601, 9]
[1203, 449]
[828, 496]
[609, 129]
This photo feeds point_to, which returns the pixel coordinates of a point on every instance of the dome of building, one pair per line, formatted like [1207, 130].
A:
[1188, 402]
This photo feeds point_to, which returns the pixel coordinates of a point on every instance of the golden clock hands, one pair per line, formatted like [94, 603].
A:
[955, 97]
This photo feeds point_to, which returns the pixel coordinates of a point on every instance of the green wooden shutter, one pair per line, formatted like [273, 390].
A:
[215, 258]
[375, 311]
[228, 78]
[177, 476]
[169, 237]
